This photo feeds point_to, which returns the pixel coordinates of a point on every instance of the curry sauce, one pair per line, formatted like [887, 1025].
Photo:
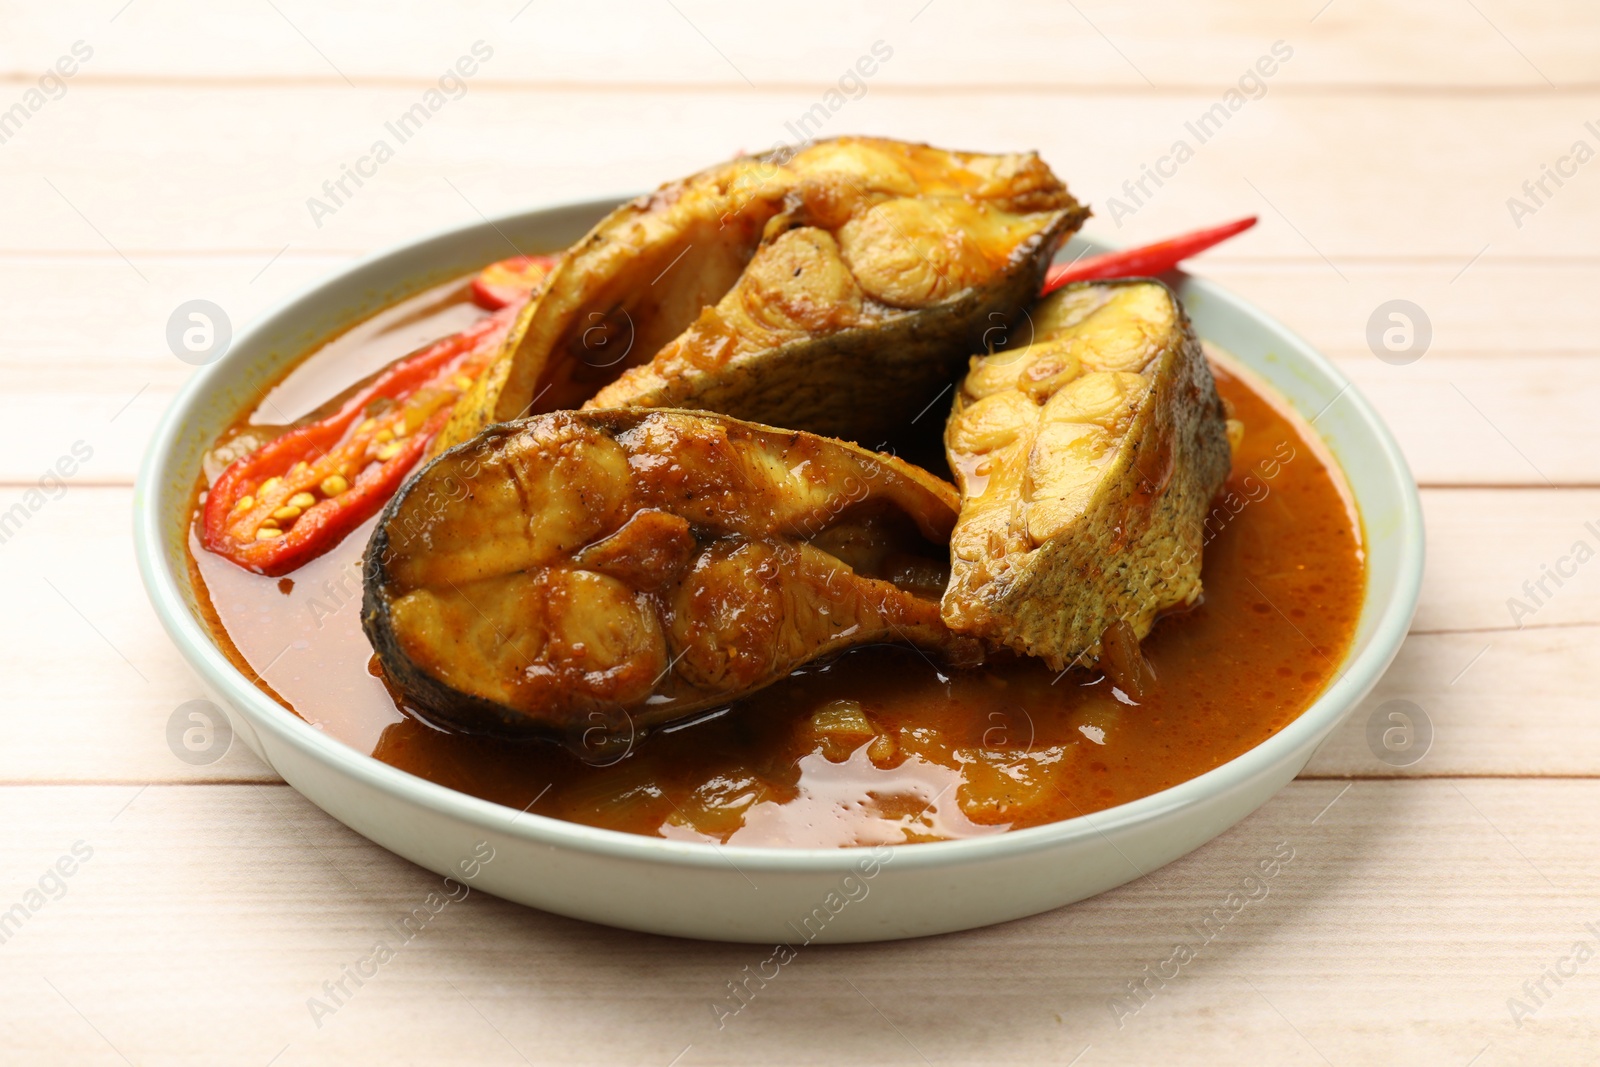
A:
[880, 744]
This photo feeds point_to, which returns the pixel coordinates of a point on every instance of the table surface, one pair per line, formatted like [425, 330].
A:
[1435, 151]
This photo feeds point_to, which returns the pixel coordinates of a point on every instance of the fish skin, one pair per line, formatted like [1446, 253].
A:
[627, 287]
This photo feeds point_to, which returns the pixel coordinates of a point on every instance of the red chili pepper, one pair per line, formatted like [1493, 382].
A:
[504, 283]
[1145, 261]
[296, 496]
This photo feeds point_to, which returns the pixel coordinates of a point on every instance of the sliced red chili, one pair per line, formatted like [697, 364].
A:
[504, 283]
[1144, 261]
[297, 496]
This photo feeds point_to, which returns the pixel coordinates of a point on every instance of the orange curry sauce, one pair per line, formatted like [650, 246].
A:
[880, 744]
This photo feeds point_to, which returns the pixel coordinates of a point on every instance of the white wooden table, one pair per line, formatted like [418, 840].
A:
[1423, 904]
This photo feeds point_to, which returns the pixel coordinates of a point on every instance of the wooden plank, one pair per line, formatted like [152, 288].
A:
[118, 338]
[193, 177]
[89, 320]
[1445, 896]
[1355, 42]
[1508, 702]
[1510, 420]
[87, 659]
[1514, 420]
[1488, 548]
[93, 680]
[1501, 397]
[1495, 309]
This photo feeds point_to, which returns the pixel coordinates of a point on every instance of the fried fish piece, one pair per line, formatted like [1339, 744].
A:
[835, 289]
[646, 564]
[863, 301]
[1086, 461]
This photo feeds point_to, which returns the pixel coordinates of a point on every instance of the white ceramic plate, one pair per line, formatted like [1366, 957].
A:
[742, 893]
